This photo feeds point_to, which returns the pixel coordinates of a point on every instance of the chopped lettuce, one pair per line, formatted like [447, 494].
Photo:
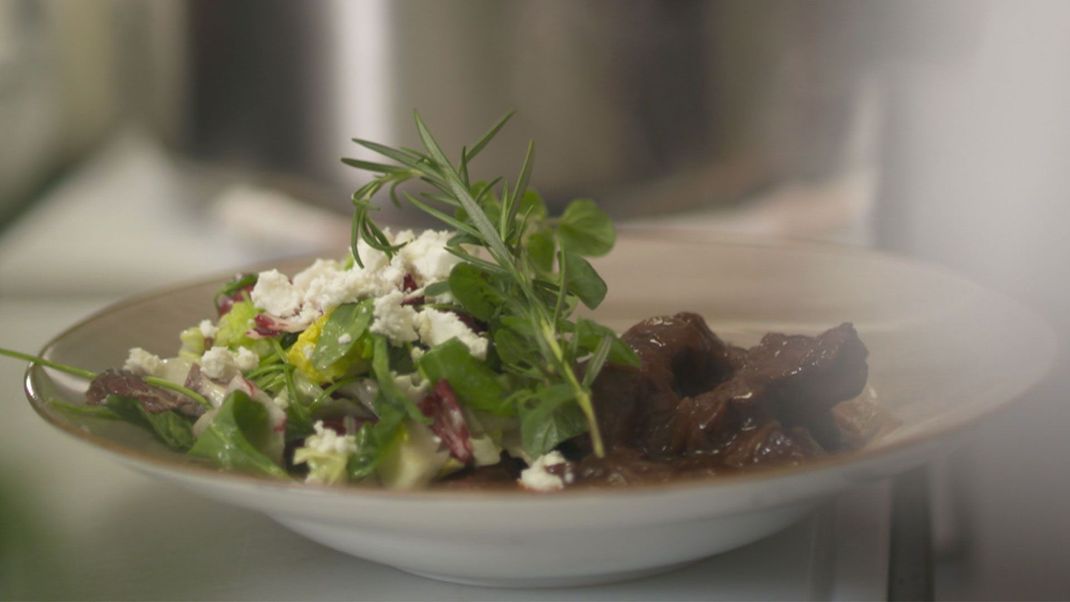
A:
[234, 324]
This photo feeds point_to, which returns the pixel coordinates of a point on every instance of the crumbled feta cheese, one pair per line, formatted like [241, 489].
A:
[327, 441]
[320, 269]
[333, 288]
[345, 339]
[275, 294]
[437, 327]
[208, 330]
[393, 320]
[326, 284]
[142, 362]
[427, 257]
[218, 363]
[326, 453]
[537, 478]
[246, 359]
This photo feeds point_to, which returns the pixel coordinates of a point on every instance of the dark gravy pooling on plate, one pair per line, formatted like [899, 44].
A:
[699, 406]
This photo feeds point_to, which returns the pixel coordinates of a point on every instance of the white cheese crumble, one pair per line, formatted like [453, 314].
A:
[275, 294]
[327, 284]
[437, 327]
[218, 363]
[208, 330]
[427, 257]
[327, 441]
[142, 362]
[537, 478]
[393, 320]
[345, 339]
[326, 453]
[246, 359]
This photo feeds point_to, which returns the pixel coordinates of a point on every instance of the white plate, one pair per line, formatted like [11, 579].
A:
[943, 353]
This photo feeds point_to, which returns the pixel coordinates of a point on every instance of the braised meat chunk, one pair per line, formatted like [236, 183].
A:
[679, 356]
[698, 405]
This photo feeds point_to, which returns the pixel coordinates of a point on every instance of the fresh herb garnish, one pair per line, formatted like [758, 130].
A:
[522, 273]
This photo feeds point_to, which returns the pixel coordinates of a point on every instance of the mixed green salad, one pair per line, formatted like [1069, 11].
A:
[411, 357]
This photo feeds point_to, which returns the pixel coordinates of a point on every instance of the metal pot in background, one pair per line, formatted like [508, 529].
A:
[649, 106]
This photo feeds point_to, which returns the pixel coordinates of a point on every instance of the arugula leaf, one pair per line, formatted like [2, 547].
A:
[238, 283]
[348, 322]
[170, 428]
[436, 288]
[586, 229]
[552, 419]
[590, 333]
[389, 391]
[514, 348]
[582, 280]
[475, 384]
[237, 437]
[473, 290]
[362, 463]
[375, 441]
[541, 250]
[532, 201]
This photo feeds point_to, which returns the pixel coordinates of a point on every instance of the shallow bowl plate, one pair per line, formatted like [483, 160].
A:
[943, 353]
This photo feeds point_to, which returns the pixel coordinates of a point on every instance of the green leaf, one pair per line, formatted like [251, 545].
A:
[583, 281]
[437, 288]
[532, 201]
[513, 348]
[552, 419]
[586, 229]
[590, 334]
[473, 290]
[238, 436]
[362, 463]
[389, 391]
[235, 285]
[541, 250]
[170, 428]
[477, 386]
[341, 333]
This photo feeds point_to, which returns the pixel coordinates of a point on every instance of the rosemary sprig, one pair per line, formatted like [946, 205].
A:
[500, 219]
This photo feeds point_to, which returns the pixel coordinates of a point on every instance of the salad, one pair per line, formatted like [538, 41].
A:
[412, 356]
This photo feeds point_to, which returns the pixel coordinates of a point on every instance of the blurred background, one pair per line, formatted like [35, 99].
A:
[147, 142]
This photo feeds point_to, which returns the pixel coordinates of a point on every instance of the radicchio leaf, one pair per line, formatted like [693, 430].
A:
[128, 384]
[448, 420]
